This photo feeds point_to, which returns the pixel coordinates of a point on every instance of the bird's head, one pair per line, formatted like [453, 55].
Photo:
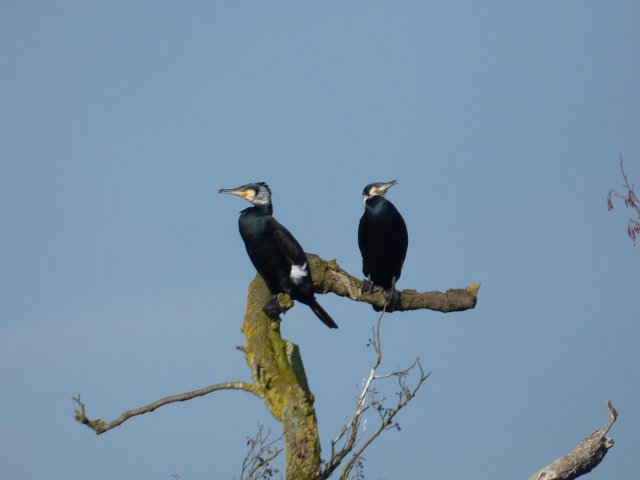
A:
[257, 193]
[377, 188]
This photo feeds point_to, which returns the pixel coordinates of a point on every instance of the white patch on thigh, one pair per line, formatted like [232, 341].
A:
[298, 272]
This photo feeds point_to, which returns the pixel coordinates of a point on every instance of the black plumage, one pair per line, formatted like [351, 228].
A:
[274, 252]
[383, 240]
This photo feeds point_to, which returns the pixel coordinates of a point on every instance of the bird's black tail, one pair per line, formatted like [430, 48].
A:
[322, 314]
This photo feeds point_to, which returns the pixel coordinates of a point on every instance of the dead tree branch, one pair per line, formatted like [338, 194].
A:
[584, 458]
[280, 381]
[328, 276]
[368, 400]
[256, 464]
[100, 426]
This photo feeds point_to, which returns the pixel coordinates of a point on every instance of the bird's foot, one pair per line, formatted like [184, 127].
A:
[392, 299]
[272, 308]
[367, 286]
[278, 305]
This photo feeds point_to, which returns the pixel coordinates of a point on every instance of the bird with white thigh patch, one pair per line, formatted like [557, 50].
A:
[274, 252]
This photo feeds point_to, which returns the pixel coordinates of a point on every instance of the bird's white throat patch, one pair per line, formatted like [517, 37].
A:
[298, 272]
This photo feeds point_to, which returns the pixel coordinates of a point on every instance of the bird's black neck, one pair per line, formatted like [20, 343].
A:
[376, 201]
[259, 210]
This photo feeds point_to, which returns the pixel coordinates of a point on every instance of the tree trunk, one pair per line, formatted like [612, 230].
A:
[279, 379]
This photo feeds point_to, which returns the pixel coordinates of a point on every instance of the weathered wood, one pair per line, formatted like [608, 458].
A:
[328, 276]
[279, 379]
[584, 458]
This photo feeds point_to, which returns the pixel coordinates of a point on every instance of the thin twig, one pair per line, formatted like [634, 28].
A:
[349, 433]
[388, 421]
[352, 427]
[630, 200]
[100, 426]
[261, 453]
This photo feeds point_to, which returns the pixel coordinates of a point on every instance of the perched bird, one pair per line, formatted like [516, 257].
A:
[383, 241]
[276, 254]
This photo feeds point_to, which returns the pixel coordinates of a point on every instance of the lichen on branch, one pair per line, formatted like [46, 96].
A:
[328, 276]
[280, 381]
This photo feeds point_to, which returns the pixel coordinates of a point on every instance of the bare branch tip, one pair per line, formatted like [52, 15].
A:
[473, 289]
[79, 415]
[613, 416]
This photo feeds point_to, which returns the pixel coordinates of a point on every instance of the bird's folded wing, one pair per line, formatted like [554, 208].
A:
[287, 244]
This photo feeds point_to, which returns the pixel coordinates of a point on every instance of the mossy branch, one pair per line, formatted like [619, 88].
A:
[280, 380]
[328, 276]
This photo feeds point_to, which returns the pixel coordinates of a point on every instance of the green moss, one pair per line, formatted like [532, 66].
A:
[280, 380]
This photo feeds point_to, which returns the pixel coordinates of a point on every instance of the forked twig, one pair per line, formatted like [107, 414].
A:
[262, 451]
[630, 200]
[349, 434]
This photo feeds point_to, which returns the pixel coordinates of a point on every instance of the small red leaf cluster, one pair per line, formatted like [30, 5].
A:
[630, 200]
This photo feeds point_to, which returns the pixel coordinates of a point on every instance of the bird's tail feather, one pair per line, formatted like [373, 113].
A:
[322, 314]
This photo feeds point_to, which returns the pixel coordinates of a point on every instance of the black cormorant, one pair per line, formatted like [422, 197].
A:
[383, 241]
[276, 254]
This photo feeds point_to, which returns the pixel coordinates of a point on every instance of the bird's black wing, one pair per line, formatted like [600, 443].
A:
[367, 243]
[287, 244]
[300, 273]
[362, 234]
[404, 236]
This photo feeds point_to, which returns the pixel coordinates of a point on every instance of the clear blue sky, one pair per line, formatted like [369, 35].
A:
[124, 277]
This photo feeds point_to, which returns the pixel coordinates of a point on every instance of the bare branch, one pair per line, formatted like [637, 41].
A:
[262, 450]
[352, 427]
[630, 200]
[584, 458]
[349, 434]
[387, 415]
[100, 426]
[329, 277]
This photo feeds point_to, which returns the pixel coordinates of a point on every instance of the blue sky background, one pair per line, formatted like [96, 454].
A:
[124, 277]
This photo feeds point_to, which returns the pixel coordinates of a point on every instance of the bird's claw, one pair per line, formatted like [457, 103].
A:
[272, 308]
[367, 286]
[391, 301]
[392, 298]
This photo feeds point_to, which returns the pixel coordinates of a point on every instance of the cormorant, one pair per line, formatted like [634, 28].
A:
[276, 254]
[383, 241]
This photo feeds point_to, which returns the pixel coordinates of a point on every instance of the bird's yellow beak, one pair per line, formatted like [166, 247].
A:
[249, 194]
[382, 187]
